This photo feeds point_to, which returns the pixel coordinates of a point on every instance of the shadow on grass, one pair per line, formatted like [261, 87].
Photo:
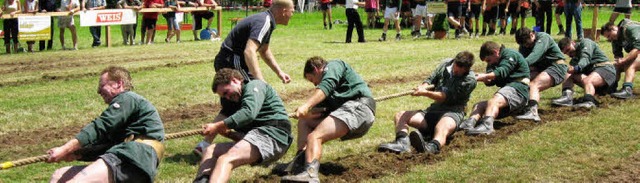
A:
[188, 158]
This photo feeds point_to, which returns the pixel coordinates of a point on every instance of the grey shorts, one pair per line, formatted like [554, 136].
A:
[556, 74]
[65, 21]
[123, 171]
[270, 149]
[433, 117]
[608, 74]
[357, 116]
[515, 101]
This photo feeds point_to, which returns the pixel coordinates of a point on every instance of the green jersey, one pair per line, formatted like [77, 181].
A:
[262, 109]
[457, 89]
[628, 37]
[588, 55]
[340, 83]
[544, 53]
[127, 114]
[510, 71]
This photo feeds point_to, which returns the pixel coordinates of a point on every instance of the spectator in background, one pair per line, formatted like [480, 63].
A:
[325, 7]
[10, 25]
[573, 9]
[47, 6]
[473, 15]
[353, 18]
[199, 15]
[502, 15]
[518, 9]
[391, 14]
[266, 3]
[95, 30]
[622, 6]
[72, 6]
[30, 6]
[454, 14]
[173, 27]
[544, 9]
[419, 12]
[490, 15]
[149, 19]
[129, 30]
[371, 7]
[559, 11]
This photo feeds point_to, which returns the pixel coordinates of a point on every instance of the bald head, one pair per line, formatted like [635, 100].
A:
[282, 11]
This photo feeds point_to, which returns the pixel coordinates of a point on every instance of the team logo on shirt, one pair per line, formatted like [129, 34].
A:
[116, 105]
[255, 89]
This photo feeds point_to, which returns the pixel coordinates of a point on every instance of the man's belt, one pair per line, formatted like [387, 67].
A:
[560, 62]
[603, 64]
[523, 80]
[157, 146]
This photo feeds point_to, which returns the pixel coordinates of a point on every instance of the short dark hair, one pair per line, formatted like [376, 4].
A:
[464, 59]
[488, 48]
[115, 73]
[522, 35]
[607, 27]
[564, 42]
[312, 63]
[224, 76]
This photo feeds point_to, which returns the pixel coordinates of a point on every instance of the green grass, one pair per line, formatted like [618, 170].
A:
[577, 149]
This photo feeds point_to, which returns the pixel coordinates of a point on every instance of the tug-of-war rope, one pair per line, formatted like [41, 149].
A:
[40, 158]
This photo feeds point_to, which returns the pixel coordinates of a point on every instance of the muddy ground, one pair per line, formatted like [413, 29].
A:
[356, 167]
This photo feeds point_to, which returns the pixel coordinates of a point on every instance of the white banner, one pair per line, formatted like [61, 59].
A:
[107, 17]
[33, 28]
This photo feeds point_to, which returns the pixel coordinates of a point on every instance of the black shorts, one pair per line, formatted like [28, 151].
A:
[325, 6]
[622, 10]
[124, 171]
[197, 19]
[490, 15]
[559, 10]
[371, 10]
[513, 11]
[405, 8]
[10, 27]
[454, 9]
[149, 24]
[228, 59]
[475, 11]
[500, 10]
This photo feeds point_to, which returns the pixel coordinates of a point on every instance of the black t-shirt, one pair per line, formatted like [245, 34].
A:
[257, 27]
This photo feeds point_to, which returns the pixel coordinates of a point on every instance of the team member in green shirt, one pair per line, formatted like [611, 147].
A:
[349, 113]
[261, 128]
[546, 63]
[590, 68]
[125, 140]
[507, 69]
[626, 35]
[450, 86]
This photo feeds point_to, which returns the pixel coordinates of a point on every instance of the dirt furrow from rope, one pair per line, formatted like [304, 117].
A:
[175, 119]
[372, 165]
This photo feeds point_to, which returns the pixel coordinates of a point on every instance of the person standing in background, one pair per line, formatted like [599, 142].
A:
[353, 18]
[95, 30]
[371, 7]
[573, 9]
[47, 6]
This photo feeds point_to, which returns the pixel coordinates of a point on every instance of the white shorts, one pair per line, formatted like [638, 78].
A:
[390, 13]
[420, 10]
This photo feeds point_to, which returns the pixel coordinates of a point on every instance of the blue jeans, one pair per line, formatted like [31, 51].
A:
[573, 10]
[95, 32]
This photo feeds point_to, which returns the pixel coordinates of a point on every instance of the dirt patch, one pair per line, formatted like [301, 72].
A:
[51, 77]
[355, 168]
[174, 119]
[629, 171]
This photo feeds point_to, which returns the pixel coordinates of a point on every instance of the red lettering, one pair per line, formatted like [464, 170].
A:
[109, 17]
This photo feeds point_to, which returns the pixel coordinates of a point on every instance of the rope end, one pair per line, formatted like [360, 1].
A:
[6, 165]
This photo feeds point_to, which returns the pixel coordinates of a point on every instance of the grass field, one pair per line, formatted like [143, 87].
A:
[46, 97]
